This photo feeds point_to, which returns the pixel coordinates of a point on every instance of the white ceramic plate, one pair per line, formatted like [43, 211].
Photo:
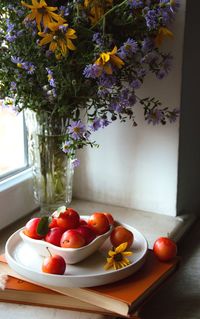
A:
[23, 259]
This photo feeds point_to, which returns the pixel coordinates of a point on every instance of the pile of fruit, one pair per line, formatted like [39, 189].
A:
[66, 229]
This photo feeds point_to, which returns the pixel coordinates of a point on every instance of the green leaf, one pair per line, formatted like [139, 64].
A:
[43, 226]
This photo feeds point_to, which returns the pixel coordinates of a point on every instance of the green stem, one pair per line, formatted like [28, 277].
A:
[108, 12]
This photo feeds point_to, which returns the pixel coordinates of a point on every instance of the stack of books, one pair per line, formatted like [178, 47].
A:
[123, 298]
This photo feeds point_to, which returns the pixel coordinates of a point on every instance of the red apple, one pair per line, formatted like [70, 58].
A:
[72, 239]
[110, 218]
[69, 219]
[53, 223]
[99, 223]
[82, 222]
[87, 233]
[54, 264]
[31, 228]
[54, 236]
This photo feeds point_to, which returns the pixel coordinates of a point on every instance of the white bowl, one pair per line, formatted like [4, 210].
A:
[71, 255]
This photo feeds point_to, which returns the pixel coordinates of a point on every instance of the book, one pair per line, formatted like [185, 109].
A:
[123, 297]
[20, 291]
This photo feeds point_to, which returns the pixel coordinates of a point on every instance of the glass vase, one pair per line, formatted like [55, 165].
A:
[52, 170]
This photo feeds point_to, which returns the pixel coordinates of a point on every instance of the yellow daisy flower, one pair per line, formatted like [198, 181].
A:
[108, 59]
[117, 257]
[59, 37]
[97, 9]
[162, 32]
[42, 13]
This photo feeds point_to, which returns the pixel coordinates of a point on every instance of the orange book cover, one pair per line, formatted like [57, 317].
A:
[125, 296]
[21, 291]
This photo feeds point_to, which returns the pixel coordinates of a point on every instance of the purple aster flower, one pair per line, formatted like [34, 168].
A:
[96, 124]
[92, 71]
[141, 73]
[165, 15]
[105, 84]
[134, 4]
[165, 67]
[136, 84]
[154, 116]
[63, 11]
[66, 147]
[17, 60]
[172, 5]
[10, 38]
[126, 98]
[20, 12]
[97, 38]
[48, 53]
[76, 129]
[19, 33]
[104, 123]
[13, 85]
[50, 77]
[63, 28]
[116, 106]
[150, 58]
[151, 17]
[147, 45]
[30, 68]
[161, 74]
[75, 163]
[10, 26]
[31, 24]
[128, 49]
[172, 117]
[107, 80]
[132, 99]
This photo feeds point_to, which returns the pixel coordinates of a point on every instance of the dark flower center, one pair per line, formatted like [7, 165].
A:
[42, 10]
[118, 257]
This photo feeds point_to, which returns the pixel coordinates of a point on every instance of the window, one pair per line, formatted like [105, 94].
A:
[16, 193]
[12, 142]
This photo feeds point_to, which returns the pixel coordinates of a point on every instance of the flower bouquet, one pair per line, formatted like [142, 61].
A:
[78, 65]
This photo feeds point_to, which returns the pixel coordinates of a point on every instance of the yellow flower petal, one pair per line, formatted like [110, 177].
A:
[31, 16]
[109, 259]
[46, 20]
[43, 3]
[121, 247]
[70, 45]
[53, 46]
[63, 47]
[36, 4]
[126, 260]
[117, 61]
[114, 50]
[111, 253]
[70, 32]
[162, 32]
[57, 17]
[52, 8]
[48, 38]
[127, 253]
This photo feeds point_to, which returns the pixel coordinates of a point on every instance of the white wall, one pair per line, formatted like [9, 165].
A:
[137, 167]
